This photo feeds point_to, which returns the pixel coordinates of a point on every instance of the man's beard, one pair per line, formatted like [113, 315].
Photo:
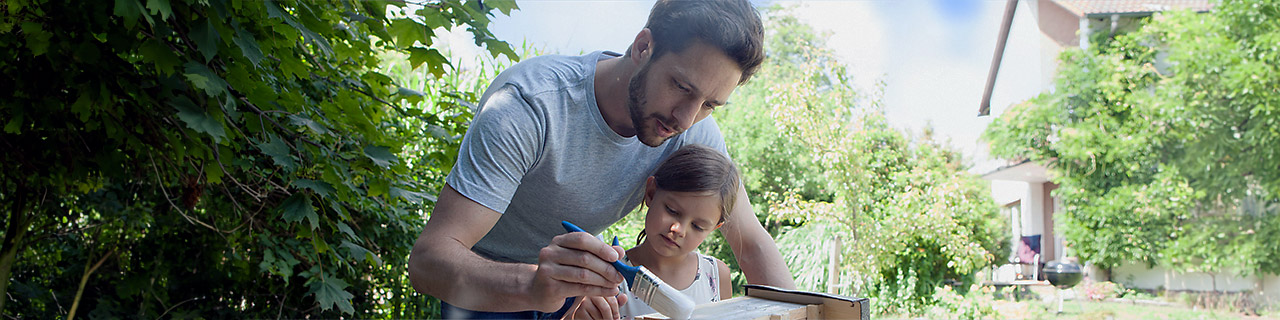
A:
[646, 131]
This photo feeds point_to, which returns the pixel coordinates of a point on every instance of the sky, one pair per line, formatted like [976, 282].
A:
[931, 55]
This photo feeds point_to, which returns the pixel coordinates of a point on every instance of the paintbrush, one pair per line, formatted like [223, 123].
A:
[649, 288]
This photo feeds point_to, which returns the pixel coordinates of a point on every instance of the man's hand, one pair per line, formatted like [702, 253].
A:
[575, 264]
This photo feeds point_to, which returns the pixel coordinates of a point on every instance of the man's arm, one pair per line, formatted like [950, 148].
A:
[755, 250]
[442, 264]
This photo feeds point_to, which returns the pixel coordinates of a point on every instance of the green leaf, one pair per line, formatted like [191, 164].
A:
[503, 5]
[381, 156]
[14, 126]
[310, 124]
[161, 55]
[379, 187]
[360, 253]
[274, 11]
[248, 46]
[197, 119]
[435, 61]
[411, 196]
[497, 47]
[37, 38]
[129, 10]
[299, 206]
[331, 292]
[406, 31]
[213, 173]
[203, 78]
[433, 19]
[279, 152]
[347, 230]
[160, 7]
[320, 187]
[410, 92]
[205, 35]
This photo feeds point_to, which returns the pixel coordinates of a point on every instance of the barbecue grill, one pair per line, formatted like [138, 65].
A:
[1062, 275]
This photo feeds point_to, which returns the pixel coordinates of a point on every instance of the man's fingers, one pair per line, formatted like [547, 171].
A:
[572, 281]
[586, 281]
[581, 250]
[586, 242]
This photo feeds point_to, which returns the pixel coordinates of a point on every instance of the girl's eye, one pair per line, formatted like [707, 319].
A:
[699, 228]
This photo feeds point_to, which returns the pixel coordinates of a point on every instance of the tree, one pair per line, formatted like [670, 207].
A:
[829, 166]
[1162, 142]
[221, 158]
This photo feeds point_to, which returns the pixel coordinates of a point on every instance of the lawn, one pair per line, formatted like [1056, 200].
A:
[1042, 303]
[1093, 310]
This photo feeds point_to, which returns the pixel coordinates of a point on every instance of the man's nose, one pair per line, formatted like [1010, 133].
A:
[686, 114]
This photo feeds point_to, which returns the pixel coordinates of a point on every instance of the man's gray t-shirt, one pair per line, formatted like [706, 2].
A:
[539, 152]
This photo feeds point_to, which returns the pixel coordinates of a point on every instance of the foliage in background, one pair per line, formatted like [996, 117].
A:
[223, 158]
[978, 303]
[1163, 142]
[824, 164]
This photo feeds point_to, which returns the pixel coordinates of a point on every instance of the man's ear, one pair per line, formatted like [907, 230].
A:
[642, 47]
[650, 187]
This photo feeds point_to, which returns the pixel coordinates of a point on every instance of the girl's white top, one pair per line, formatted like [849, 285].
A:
[704, 289]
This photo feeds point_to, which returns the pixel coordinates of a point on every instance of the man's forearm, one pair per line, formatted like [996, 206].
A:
[754, 248]
[466, 280]
[761, 263]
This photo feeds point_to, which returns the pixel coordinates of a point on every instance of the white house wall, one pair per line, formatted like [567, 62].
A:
[1032, 205]
[1270, 289]
[1134, 275]
[1033, 210]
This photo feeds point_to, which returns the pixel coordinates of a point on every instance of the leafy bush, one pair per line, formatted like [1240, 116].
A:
[222, 159]
[1163, 143]
[976, 304]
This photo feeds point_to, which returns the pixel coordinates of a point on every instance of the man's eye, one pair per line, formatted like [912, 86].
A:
[681, 87]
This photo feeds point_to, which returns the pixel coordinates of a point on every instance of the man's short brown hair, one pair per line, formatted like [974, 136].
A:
[733, 26]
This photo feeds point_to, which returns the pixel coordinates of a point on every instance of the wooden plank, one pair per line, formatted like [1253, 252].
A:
[741, 308]
[813, 312]
[833, 306]
[769, 303]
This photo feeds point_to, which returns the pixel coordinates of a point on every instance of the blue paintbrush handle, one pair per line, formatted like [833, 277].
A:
[628, 272]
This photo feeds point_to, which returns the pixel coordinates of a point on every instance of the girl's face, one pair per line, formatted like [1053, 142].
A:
[677, 222]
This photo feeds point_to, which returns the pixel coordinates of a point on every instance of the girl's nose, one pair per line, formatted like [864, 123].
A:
[676, 228]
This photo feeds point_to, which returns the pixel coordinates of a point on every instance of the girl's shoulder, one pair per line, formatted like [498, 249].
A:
[702, 258]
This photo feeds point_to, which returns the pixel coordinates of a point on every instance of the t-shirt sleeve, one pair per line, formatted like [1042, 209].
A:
[501, 145]
[707, 133]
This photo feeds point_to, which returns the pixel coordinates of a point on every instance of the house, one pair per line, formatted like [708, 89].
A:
[1042, 29]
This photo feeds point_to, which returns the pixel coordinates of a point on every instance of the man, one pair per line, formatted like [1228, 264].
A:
[573, 138]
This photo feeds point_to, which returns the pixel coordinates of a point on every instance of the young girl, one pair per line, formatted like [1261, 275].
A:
[688, 197]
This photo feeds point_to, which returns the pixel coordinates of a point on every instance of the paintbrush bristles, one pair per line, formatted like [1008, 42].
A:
[661, 297]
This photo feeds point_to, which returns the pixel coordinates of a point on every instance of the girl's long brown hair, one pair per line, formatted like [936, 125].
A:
[698, 168]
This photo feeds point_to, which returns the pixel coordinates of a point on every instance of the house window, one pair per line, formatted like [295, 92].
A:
[1013, 211]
